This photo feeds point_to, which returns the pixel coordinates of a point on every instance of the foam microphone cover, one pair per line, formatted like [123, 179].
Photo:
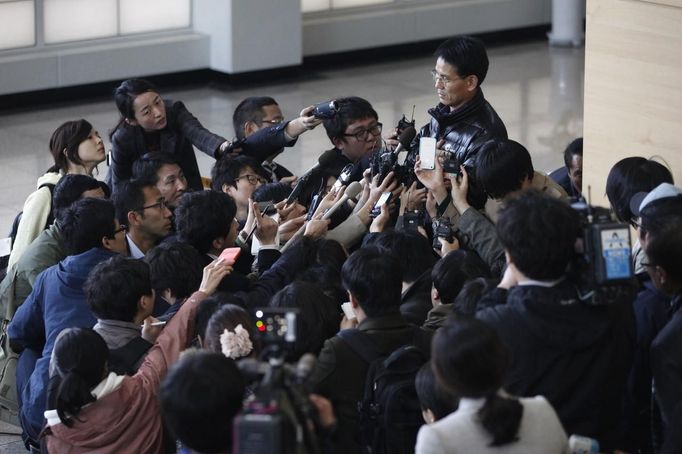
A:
[407, 136]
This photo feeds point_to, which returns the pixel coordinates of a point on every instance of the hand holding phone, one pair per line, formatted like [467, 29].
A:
[427, 153]
[383, 200]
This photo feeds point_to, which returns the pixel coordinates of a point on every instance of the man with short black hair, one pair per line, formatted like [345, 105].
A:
[93, 234]
[463, 119]
[570, 176]
[200, 397]
[574, 353]
[119, 293]
[163, 171]
[373, 279]
[141, 207]
[238, 177]
[262, 112]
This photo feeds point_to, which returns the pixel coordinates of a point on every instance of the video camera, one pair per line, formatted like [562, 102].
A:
[384, 161]
[602, 270]
[277, 417]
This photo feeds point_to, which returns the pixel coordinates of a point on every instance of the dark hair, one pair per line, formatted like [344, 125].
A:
[349, 110]
[126, 93]
[79, 358]
[176, 266]
[318, 318]
[451, 272]
[664, 249]
[432, 396]
[539, 233]
[226, 170]
[469, 360]
[129, 196]
[502, 166]
[412, 250]
[466, 54]
[466, 301]
[374, 277]
[147, 166]
[115, 286]
[203, 216]
[250, 109]
[228, 316]
[271, 191]
[574, 148]
[71, 187]
[199, 397]
[628, 177]
[659, 214]
[86, 222]
[67, 138]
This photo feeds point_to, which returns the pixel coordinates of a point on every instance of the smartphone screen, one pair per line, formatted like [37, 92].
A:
[427, 153]
[376, 211]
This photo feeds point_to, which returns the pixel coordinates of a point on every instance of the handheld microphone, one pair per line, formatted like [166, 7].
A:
[405, 139]
[305, 366]
[324, 160]
[351, 192]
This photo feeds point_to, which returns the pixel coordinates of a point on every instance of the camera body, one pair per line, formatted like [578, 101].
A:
[442, 229]
[412, 220]
[326, 110]
[603, 269]
[277, 417]
[383, 161]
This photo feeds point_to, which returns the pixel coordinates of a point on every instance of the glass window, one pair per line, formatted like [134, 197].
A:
[153, 15]
[72, 20]
[17, 22]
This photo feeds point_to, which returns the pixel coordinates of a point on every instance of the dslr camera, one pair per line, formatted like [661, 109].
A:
[383, 161]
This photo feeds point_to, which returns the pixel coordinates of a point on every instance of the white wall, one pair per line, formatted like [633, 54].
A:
[236, 36]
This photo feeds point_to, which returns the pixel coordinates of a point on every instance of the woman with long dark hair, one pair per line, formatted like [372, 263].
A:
[76, 148]
[470, 362]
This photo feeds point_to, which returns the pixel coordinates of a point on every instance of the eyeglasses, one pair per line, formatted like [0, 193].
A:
[252, 179]
[440, 78]
[160, 204]
[121, 228]
[365, 134]
[273, 122]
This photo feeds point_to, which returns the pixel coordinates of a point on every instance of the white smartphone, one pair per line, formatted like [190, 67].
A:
[427, 152]
[383, 199]
[348, 310]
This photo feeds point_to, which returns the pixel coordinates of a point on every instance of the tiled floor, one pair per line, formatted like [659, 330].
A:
[537, 90]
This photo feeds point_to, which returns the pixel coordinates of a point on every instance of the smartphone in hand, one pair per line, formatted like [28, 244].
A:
[427, 153]
[230, 255]
[383, 200]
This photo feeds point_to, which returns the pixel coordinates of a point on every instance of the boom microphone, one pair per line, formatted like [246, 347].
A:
[325, 159]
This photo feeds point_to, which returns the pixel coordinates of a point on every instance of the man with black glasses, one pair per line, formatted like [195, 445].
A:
[141, 207]
[463, 119]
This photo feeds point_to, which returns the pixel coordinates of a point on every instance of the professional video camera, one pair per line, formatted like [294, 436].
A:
[602, 270]
[384, 161]
[443, 229]
[277, 417]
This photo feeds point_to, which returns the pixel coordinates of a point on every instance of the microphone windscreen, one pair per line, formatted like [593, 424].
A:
[353, 190]
[327, 158]
[407, 136]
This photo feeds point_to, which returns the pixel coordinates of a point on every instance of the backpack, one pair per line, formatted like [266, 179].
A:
[389, 414]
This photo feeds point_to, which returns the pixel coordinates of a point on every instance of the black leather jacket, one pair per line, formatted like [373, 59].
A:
[464, 131]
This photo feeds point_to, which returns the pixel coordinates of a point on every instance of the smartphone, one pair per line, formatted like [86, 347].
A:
[427, 153]
[348, 311]
[230, 255]
[266, 208]
[383, 200]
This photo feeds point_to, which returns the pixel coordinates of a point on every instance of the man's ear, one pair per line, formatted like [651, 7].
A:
[435, 296]
[249, 128]
[662, 275]
[108, 243]
[353, 300]
[219, 243]
[339, 143]
[146, 304]
[471, 82]
[507, 257]
[227, 189]
[133, 218]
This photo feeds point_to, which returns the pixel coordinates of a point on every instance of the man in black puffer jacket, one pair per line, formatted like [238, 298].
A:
[462, 118]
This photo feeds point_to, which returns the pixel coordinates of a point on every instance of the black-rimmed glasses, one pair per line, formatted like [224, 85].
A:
[365, 134]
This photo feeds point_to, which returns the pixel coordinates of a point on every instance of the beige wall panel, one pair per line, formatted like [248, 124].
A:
[633, 87]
